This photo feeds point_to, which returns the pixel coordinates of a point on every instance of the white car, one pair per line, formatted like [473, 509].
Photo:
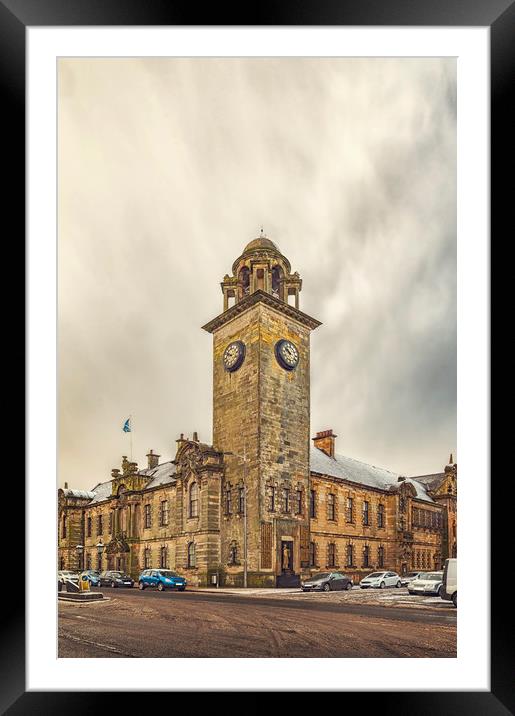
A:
[427, 583]
[380, 580]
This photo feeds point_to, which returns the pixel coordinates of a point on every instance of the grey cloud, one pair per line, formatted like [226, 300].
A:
[167, 168]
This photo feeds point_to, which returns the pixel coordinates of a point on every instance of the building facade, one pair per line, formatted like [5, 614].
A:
[259, 505]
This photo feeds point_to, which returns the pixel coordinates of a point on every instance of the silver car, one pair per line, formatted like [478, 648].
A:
[380, 580]
[427, 583]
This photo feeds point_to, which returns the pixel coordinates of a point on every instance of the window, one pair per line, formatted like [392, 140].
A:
[241, 500]
[147, 558]
[163, 514]
[380, 556]
[193, 500]
[380, 515]
[350, 509]
[331, 554]
[148, 516]
[164, 558]
[88, 561]
[111, 522]
[100, 525]
[273, 498]
[233, 553]
[286, 499]
[192, 557]
[61, 562]
[298, 502]
[63, 530]
[366, 556]
[88, 526]
[366, 512]
[350, 555]
[312, 554]
[227, 500]
[331, 507]
[312, 503]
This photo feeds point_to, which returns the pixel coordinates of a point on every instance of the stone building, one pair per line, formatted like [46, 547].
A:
[259, 505]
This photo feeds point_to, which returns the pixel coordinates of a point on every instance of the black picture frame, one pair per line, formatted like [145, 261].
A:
[499, 16]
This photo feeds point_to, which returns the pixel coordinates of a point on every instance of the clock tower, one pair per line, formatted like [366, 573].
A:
[261, 407]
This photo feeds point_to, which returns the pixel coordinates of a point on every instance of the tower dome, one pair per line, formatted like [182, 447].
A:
[260, 243]
[261, 267]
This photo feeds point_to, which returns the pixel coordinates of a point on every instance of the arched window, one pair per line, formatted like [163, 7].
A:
[366, 556]
[193, 509]
[380, 556]
[276, 281]
[192, 557]
[164, 558]
[63, 532]
[233, 553]
[147, 558]
[245, 280]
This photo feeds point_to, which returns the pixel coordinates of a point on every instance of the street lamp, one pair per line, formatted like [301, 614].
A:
[80, 552]
[244, 458]
[100, 549]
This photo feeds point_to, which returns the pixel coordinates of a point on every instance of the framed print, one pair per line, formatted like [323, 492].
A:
[269, 180]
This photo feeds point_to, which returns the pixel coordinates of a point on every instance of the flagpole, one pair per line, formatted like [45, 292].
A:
[130, 432]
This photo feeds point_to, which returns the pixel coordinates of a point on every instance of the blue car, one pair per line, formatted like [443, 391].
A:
[161, 579]
[93, 576]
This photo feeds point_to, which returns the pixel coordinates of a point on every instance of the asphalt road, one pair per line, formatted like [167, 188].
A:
[193, 624]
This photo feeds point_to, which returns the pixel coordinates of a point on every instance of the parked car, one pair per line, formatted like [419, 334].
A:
[450, 581]
[93, 576]
[327, 582]
[161, 579]
[427, 583]
[66, 575]
[380, 580]
[408, 577]
[114, 578]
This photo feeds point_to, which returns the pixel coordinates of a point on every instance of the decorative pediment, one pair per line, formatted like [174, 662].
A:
[117, 544]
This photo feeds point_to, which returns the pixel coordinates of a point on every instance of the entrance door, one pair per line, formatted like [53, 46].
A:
[286, 556]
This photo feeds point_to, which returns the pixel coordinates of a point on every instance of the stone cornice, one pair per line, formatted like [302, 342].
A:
[253, 299]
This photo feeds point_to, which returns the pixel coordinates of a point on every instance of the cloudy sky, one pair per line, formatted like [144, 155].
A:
[168, 167]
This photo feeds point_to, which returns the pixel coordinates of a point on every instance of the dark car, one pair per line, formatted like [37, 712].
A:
[326, 582]
[115, 579]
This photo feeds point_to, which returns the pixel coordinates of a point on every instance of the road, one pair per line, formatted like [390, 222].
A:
[192, 624]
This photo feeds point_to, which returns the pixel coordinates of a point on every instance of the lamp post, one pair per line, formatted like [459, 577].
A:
[244, 458]
[80, 552]
[100, 549]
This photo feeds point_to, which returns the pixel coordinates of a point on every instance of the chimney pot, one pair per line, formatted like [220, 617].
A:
[325, 441]
[153, 459]
[65, 485]
[195, 437]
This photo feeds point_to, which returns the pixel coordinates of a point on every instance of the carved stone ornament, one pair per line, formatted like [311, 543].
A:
[117, 544]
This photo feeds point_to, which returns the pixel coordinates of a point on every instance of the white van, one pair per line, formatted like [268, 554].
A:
[450, 585]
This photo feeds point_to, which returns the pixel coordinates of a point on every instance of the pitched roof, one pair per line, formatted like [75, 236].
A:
[346, 468]
[431, 482]
[161, 475]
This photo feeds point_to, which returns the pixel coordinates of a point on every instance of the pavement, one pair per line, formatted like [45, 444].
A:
[265, 623]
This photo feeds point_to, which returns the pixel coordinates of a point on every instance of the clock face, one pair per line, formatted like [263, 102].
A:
[234, 355]
[287, 354]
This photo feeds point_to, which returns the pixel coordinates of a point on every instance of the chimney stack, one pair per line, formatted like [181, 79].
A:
[65, 485]
[153, 460]
[324, 441]
[195, 437]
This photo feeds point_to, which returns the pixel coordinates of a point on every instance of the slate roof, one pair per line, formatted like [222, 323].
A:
[431, 482]
[83, 494]
[161, 475]
[346, 468]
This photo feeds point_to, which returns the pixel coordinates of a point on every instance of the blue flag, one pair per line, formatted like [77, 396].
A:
[127, 426]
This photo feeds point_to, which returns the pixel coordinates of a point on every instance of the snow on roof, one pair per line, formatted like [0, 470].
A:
[161, 475]
[83, 494]
[346, 468]
[101, 491]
